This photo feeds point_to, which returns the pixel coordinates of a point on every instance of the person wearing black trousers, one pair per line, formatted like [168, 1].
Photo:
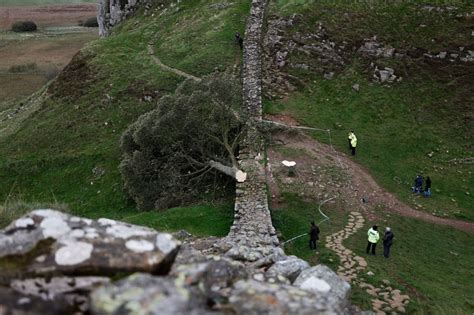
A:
[373, 238]
[313, 235]
[387, 242]
[352, 139]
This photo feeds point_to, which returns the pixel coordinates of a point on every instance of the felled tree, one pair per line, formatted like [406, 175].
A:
[186, 146]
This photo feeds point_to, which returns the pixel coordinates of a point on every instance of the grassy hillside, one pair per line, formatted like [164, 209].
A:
[432, 264]
[62, 145]
[422, 124]
[65, 147]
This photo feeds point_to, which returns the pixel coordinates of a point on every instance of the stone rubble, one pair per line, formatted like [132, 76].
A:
[324, 55]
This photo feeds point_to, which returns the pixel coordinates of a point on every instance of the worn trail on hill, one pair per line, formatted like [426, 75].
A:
[157, 61]
[384, 298]
[356, 183]
[364, 185]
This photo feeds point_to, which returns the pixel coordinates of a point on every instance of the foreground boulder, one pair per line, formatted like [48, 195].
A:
[148, 295]
[322, 280]
[289, 268]
[15, 303]
[254, 297]
[48, 242]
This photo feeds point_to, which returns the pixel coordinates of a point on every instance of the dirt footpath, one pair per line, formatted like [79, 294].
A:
[320, 158]
[48, 15]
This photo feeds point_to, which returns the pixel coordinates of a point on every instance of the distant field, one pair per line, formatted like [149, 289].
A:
[33, 61]
[62, 13]
[42, 2]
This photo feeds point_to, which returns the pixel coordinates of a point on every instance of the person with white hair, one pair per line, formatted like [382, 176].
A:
[387, 241]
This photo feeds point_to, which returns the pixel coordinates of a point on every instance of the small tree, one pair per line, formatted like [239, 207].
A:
[90, 22]
[24, 26]
[183, 148]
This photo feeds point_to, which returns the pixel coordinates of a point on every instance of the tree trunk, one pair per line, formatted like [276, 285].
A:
[234, 172]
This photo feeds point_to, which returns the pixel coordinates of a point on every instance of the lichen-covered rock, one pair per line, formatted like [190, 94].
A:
[254, 297]
[50, 242]
[289, 268]
[73, 291]
[143, 294]
[321, 279]
[14, 303]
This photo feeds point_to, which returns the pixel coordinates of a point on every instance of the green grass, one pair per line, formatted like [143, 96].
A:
[398, 127]
[295, 219]
[53, 150]
[199, 220]
[208, 43]
[431, 263]
[42, 2]
[400, 23]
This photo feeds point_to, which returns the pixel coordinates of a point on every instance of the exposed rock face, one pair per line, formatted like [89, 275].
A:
[318, 54]
[71, 245]
[112, 12]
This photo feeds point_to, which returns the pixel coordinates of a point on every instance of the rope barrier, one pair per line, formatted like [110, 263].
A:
[326, 218]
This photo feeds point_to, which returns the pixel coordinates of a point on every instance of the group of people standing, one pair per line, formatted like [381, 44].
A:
[373, 234]
[418, 186]
[373, 238]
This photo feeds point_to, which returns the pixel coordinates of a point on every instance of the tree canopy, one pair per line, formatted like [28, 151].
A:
[186, 147]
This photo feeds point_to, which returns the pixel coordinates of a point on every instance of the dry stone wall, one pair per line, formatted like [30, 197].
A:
[252, 234]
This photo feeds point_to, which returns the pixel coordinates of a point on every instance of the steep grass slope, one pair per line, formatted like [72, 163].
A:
[63, 144]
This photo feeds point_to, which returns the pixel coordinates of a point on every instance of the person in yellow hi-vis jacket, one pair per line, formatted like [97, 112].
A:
[352, 139]
[374, 237]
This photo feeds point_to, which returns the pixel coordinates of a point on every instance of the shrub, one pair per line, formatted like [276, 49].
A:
[27, 67]
[90, 22]
[24, 26]
[168, 151]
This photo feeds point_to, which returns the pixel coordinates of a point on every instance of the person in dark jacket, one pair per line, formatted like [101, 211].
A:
[427, 191]
[239, 39]
[418, 184]
[313, 235]
[387, 242]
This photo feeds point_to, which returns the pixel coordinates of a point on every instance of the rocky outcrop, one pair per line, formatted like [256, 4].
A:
[111, 12]
[69, 245]
[51, 258]
[316, 52]
[57, 258]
